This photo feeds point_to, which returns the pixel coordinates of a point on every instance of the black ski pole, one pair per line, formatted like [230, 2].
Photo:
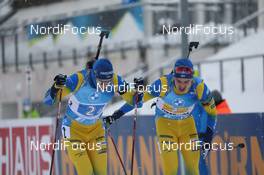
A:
[191, 45]
[104, 33]
[57, 125]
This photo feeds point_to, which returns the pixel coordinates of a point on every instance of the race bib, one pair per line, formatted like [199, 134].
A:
[90, 110]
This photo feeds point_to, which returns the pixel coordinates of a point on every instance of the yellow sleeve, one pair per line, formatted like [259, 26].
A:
[204, 95]
[126, 93]
[210, 108]
[73, 83]
[157, 89]
[147, 96]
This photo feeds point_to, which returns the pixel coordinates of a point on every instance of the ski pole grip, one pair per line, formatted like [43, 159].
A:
[139, 82]
[104, 33]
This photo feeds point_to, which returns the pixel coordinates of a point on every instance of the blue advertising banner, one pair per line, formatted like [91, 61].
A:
[21, 151]
[236, 128]
[239, 128]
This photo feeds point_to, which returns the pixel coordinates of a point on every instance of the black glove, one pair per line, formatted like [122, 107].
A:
[108, 120]
[138, 97]
[207, 138]
[89, 64]
[139, 83]
[60, 81]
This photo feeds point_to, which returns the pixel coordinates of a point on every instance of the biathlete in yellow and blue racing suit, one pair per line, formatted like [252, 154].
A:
[180, 97]
[82, 127]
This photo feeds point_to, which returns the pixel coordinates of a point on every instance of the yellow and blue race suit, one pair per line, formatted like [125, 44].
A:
[175, 124]
[82, 126]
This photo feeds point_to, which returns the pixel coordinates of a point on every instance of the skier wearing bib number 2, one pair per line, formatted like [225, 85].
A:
[82, 127]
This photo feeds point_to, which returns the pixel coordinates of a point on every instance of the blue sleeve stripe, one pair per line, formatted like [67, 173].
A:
[121, 84]
[48, 100]
[72, 82]
[120, 81]
[206, 93]
[155, 88]
[126, 108]
[211, 121]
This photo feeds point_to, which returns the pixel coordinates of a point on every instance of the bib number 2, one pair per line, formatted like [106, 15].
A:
[90, 110]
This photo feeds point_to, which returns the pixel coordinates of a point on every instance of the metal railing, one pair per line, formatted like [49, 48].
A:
[69, 55]
[238, 24]
[221, 62]
[241, 62]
